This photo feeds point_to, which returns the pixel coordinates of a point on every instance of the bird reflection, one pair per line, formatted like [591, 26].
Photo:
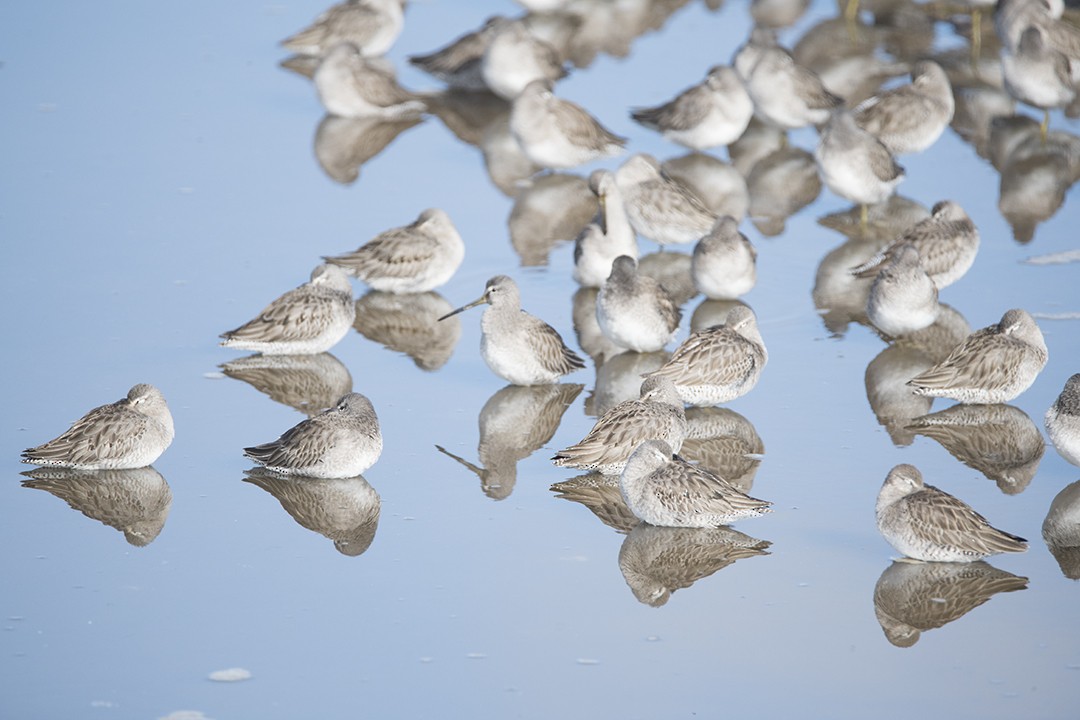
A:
[467, 114]
[514, 423]
[410, 324]
[602, 26]
[892, 401]
[308, 383]
[590, 337]
[912, 597]
[1000, 441]
[780, 185]
[712, 312]
[884, 221]
[344, 510]
[1061, 530]
[135, 502]
[601, 495]
[506, 163]
[839, 296]
[343, 145]
[619, 379]
[657, 561]
[549, 209]
[672, 271]
[725, 443]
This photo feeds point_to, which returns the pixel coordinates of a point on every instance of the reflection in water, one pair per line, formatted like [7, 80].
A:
[619, 379]
[672, 270]
[892, 401]
[725, 443]
[514, 423]
[344, 510]
[506, 163]
[657, 561]
[884, 221]
[780, 185]
[912, 597]
[135, 502]
[308, 383]
[601, 494]
[839, 296]
[602, 26]
[712, 312]
[551, 208]
[1000, 441]
[941, 338]
[468, 114]
[587, 329]
[1061, 530]
[718, 185]
[343, 145]
[410, 324]
[841, 53]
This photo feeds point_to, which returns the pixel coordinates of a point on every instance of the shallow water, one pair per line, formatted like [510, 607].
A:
[163, 183]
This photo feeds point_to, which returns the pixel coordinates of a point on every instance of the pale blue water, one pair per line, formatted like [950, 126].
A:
[160, 187]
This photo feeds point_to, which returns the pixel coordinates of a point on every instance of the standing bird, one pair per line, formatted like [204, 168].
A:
[129, 433]
[349, 85]
[724, 264]
[712, 113]
[370, 25]
[556, 133]
[910, 118]
[307, 320]
[610, 236]
[663, 489]
[340, 442]
[634, 311]
[1036, 73]
[660, 208]
[992, 365]
[411, 259]
[657, 414]
[514, 57]
[947, 242]
[928, 524]
[458, 64]
[1063, 421]
[719, 363]
[855, 164]
[902, 298]
[518, 347]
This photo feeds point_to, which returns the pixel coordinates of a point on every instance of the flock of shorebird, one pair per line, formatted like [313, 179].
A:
[639, 440]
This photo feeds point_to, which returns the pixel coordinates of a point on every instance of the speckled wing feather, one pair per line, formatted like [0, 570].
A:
[814, 93]
[301, 446]
[377, 86]
[618, 433]
[682, 113]
[106, 432]
[894, 113]
[546, 344]
[449, 60]
[398, 253]
[338, 23]
[882, 163]
[661, 200]
[974, 358]
[689, 490]
[942, 520]
[299, 314]
[715, 356]
[577, 123]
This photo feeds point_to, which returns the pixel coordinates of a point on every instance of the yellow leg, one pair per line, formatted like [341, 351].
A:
[1044, 128]
[976, 39]
[864, 218]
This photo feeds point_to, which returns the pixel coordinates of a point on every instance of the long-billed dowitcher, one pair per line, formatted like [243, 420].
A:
[340, 442]
[518, 347]
[910, 118]
[306, 320]
[658, 207]
[657, 414]
[925, 523]
[717, 184]
[1061, 530]
[712, 113]
[634, 311]
[1063, 421]
[670, 492]
[719, 363]
[514, 58]
[556, 133]
[597, 246]
[855, 164]
[129, 433]
[947, 242]
[371, 25]
[458, 64]
[992, 365]
[902, 298]
[724, 264]
[415, 258]
[350, 85]
[1036, 73]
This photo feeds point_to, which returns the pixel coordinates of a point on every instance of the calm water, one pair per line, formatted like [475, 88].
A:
[162, 185]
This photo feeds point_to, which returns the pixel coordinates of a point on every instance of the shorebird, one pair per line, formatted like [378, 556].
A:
[992, 365]
[1063, 421]
[597, 246]
[518, 347]
[719, 363]
[902, 298]
[415, 258]
[307, 320]
[928, 524]
[855, 164]
[712, 113]
[634, 311]
[667, 491]
[910, 118]
[349, 85]
[1036, 73]
[458, 64]
[514, 58]
[660, 208]
[657, 414]
[371, 25]
[556, 133]
[340, 442]
[129, 433]
[947, 242]
[724, 263]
